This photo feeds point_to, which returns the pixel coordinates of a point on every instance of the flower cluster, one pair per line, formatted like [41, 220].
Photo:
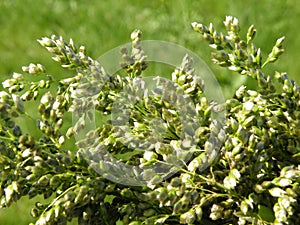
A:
[252, 179]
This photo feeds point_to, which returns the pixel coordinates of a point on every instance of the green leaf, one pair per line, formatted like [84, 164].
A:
[265, 213]
[109, 198]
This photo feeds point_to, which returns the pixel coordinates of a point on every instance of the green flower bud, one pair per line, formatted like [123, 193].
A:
[188, 218]
[9, 83]
[47, 99]
[47, 42]
[49, 216]
[55, 181]
[27, 96]
[34, 213]
[216, 212]
[291, 192]
[68, 205]
[259, 188]
[149, 212]
[244, 207]
[279, 42]
[240, 92]
[44, 180]
[251, 33]
[17, 131]
[18, 103]
[277, 192]
[162, 195]
[15, 88]
[10, 123]
[178, 206]
[176, 182]
[70, 196]
[34, 69]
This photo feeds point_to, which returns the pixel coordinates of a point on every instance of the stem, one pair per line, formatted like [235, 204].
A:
[58, 197]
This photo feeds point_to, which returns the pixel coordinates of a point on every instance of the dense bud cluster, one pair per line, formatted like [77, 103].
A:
[253, 179]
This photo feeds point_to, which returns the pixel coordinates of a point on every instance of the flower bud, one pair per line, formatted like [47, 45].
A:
[251, 33]
[188, 217]
[47, 42]
[16, 131]
[9, 83]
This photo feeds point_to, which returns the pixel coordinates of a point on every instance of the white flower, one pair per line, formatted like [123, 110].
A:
[248, 105]
[8, 83]
[277, 192]
[149, 155]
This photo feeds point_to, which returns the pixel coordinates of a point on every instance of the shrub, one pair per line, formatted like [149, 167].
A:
[254, 178]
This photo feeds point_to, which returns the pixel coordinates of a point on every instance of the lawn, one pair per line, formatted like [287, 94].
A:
[103, 25]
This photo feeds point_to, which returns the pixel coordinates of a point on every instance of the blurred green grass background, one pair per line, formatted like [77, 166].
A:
[102, 25]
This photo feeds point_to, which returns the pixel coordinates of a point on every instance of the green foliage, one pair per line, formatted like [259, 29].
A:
[254, 180]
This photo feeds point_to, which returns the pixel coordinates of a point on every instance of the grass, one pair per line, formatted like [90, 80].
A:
[103, 25]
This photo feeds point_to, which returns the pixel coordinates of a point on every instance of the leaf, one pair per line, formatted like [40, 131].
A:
[265, 213]
[109, 198]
